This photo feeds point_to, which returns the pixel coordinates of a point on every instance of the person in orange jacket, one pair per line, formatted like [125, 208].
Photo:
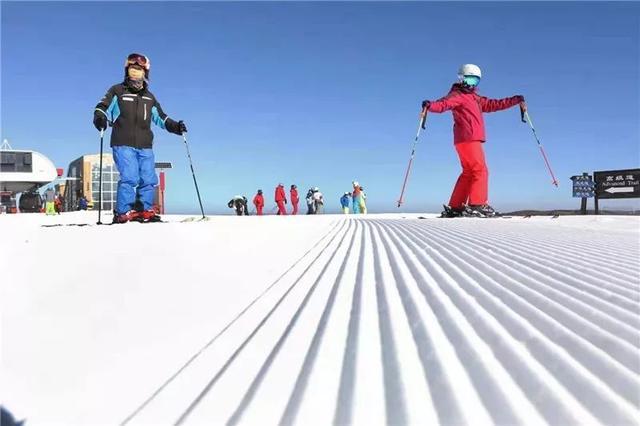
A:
[294, 199]
[281, 199]
[258, 201]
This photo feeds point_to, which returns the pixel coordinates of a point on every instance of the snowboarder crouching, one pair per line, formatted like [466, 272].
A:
[239, 203]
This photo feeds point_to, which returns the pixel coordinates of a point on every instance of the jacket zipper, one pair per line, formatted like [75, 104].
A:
[145, 112]
[135, 126]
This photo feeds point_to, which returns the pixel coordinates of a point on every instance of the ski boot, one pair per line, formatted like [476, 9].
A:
[484, 210]
[452, 212]
[126, 217]
[150, 216]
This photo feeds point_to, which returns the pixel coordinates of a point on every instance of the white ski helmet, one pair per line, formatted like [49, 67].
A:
[355, 183]
[469, 69]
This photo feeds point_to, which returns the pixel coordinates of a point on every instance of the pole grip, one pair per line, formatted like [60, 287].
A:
[423, 118]
[523, 111]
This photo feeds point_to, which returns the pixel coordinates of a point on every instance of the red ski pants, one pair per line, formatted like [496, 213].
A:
[259, 210]
[472, 185]
[281, 209]
[295, 208]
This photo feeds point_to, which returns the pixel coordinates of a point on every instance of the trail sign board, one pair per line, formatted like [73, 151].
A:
[583, 186]
[617, 183]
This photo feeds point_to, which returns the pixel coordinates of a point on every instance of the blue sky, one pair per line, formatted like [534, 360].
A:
[320, 94]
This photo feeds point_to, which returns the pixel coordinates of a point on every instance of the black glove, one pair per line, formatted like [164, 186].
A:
[425, 104]
[520, 98]
[285, 201]
[100, 120]
[176, 127]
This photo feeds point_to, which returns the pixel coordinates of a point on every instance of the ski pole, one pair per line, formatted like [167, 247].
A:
[524, 116]
[193, 174]
[421, 125]
[100, 179]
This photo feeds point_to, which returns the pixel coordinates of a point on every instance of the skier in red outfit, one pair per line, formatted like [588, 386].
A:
[294, 199]
[258, 201]
[281, 199]
[470, 194]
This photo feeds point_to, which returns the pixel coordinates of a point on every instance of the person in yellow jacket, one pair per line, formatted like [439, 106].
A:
[50, 198]
[363, 201]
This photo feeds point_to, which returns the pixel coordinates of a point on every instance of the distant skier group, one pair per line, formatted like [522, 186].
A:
[358, 200]
[240, 202]
[280, 197]
[315, 201]
[314, 198]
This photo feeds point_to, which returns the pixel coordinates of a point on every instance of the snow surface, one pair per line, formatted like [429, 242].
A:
[317, 320]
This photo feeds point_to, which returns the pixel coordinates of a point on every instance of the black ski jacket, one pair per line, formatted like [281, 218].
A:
[130, 113]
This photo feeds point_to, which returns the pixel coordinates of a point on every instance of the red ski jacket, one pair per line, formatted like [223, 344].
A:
[280, 196]
[468, 106]
[258, 200]
[294, 196]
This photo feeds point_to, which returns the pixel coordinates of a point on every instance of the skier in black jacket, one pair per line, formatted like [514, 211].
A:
[239, 203]
[130, 108]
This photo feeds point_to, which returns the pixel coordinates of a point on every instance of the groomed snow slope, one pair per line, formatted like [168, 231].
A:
[384, 319]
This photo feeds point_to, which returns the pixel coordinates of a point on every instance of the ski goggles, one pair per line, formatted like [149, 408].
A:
[137, 59]
[471, 80]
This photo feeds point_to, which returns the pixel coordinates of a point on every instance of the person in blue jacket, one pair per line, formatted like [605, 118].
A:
[344, 202]
[131, 108]
[83, 204]
[356, 198]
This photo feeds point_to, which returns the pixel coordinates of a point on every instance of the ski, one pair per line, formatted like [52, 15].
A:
[449, 213]
[101, 224]
[196, 219]
[187, 220]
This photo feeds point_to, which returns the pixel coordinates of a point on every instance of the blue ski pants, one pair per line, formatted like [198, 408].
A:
[137, 177]
[356, 205]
